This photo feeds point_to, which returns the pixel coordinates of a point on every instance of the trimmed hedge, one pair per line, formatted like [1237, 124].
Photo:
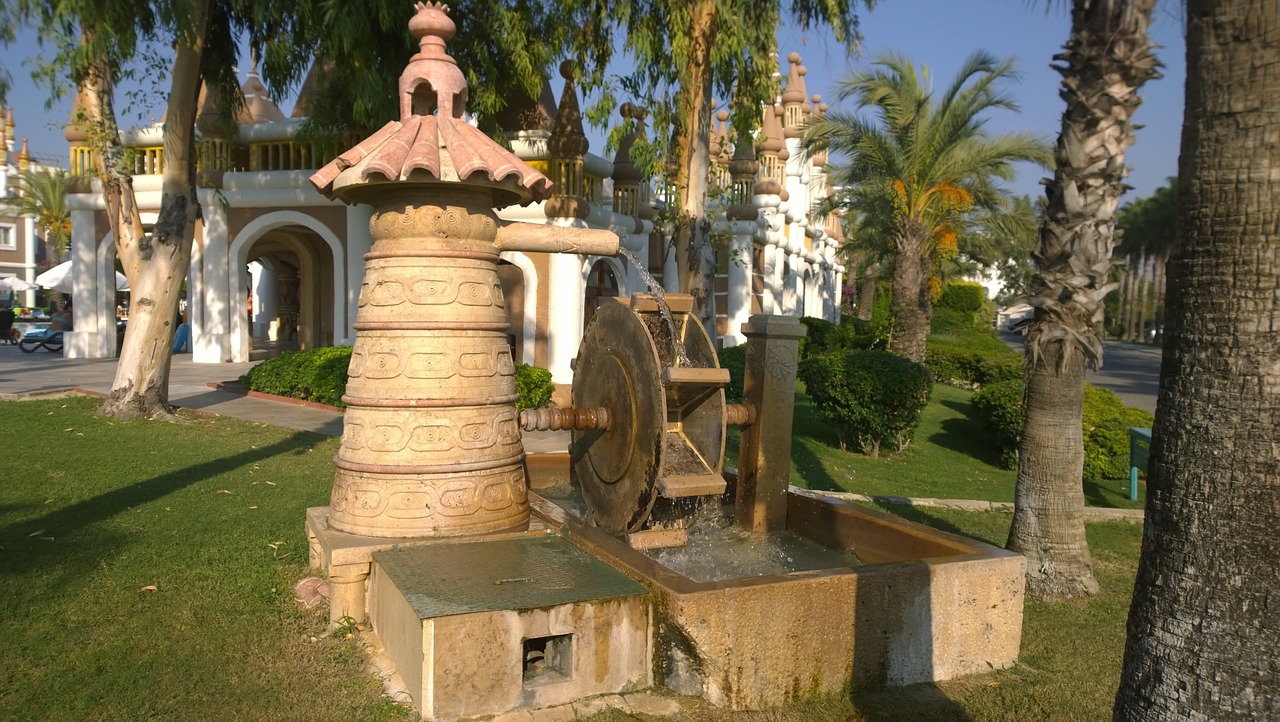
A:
[873, 399]
[320, 375]
[971, 360]
[963, 306]
[1106, 422]
[734, 358]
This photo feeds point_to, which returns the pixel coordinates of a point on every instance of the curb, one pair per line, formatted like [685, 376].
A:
[239, 390]
[1091, 513]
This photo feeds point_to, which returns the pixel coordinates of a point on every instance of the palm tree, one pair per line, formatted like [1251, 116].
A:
[1104, 63]
[42, 193]
[931, 158]
[1202, 633]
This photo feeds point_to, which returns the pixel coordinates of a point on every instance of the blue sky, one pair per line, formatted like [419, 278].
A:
[936, 33]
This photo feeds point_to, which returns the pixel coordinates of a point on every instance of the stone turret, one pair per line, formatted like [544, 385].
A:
[794, 98]
[742, 172]
[630, 187]
[258, 106]
[529, 116]
[567, 145]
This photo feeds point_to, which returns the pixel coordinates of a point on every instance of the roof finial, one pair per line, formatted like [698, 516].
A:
[432, 66]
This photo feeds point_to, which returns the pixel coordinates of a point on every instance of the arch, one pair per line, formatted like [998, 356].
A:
[238, 258]
[529, 324]
[601, 277]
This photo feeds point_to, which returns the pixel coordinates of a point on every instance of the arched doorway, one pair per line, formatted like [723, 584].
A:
[289, 291]
[602, 282]
[511, 278]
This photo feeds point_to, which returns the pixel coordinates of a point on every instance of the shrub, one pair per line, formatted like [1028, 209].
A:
[1106, 421]
[819, 338]
[535, 386]
[734, 358]
[873, 399]
[972, 359]
[963, 306]
[318, 374]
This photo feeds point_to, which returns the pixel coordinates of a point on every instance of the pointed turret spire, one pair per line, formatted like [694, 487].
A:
[258, 106]
[794, 97]
[567, 137]
[524, 114]
[24, 160]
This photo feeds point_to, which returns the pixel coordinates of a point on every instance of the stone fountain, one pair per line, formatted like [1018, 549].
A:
[490, 598]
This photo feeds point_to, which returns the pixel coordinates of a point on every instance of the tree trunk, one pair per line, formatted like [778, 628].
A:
[1144, 288]
[696, 257]
[1158, 288]
[1104, 63]
[1204, 627]
[156, 264]
[1130, 299]
[912, 306]
[867, 292]
[1048, 517]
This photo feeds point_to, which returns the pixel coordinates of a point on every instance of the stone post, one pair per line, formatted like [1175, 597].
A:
[764, 457]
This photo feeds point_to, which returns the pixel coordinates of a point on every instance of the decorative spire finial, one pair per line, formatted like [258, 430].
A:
[445, 88]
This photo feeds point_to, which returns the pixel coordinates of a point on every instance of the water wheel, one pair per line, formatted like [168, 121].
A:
[667, 417]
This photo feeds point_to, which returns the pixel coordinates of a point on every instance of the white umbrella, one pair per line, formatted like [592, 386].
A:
[58, 278]
[14, 283]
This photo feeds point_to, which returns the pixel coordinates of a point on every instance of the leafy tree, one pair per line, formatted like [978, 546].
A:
[42, 193]
[929, 160]
[1202, 632]
[1150, 226]
[1104, 63]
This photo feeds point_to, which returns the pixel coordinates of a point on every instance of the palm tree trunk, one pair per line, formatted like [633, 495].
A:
[867, 292]
[1131, 299]
[1048, 517]
[1202, 636]
[912, 306]
[1105, 62]
[1159, 281]
[1144, 288]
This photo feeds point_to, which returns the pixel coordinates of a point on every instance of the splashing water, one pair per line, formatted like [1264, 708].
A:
[656, 289]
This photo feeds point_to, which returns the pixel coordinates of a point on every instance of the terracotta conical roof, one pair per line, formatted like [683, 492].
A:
[773, 138]
[258, 106]
[524, 113]
[567, 137]
[423, 147]
[795, 90]
[76, 130]
[310, 88]
[209, 117]
[624, 171]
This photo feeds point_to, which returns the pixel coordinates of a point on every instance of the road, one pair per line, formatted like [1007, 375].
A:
[1131, 370]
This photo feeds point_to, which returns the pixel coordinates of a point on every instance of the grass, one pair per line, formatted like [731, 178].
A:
[147, 572]
[95, 513]
[950, 458]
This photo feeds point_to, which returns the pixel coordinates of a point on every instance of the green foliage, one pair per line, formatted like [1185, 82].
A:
[999, 408]
[818, 338]
[734, 358]
[873, 399]
[1149, 225]
[972, 359]
[318, 374]
[534, 385]
[963, 306]
[1106, 422]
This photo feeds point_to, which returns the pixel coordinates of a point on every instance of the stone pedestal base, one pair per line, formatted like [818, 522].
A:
[492, 626]
[346, 559]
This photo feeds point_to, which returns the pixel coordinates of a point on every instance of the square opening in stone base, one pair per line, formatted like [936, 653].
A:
[547, 659]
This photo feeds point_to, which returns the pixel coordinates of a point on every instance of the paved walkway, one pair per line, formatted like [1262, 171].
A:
[23, 374]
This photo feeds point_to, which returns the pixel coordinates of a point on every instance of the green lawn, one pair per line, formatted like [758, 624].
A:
[93, 514]
[949, 459]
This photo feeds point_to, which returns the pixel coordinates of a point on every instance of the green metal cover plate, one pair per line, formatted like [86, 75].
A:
[486, 576]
